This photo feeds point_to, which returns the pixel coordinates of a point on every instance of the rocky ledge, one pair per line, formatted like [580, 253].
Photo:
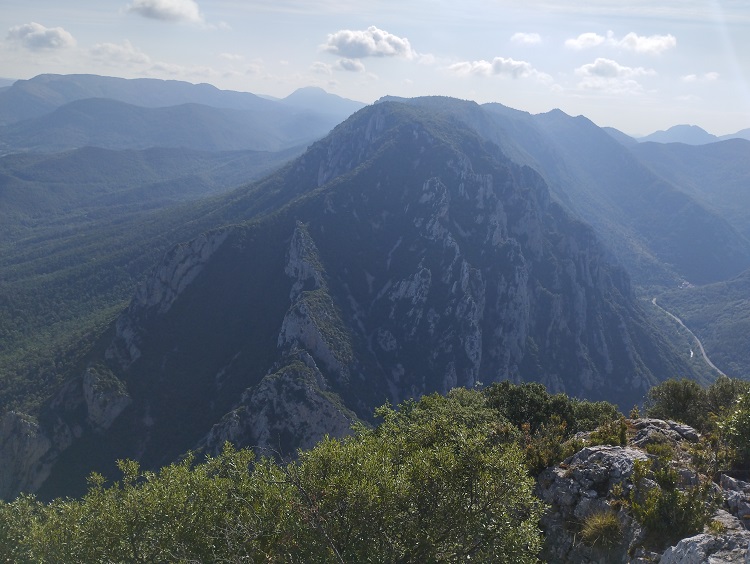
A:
[608, 503]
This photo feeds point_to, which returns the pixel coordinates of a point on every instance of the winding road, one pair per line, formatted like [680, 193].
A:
[697, 340]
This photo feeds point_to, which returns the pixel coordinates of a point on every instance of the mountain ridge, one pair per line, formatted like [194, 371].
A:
[409, 256]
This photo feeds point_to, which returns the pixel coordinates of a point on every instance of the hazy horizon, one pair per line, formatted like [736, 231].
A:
[639, 67]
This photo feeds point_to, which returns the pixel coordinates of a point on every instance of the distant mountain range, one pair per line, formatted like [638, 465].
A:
[686, 134]
[59, 112]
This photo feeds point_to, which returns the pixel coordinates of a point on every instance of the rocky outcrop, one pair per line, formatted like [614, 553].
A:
[737, 498]
[290, 409]
[157, 294]
[23, 449]
[106, 398]
[730, 544]
[30, 448]
[600, 480]
[581, 486]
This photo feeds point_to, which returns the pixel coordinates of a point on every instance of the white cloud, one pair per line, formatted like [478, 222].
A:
[610, 76]
[372, 42]
[585, 41]
[351, 65]
[707, 77]
[125, 53]
[319, 67]
[36, 37]
[500, 66]
[232, 57]
[526, 38]
[652, 44]
[168, 10]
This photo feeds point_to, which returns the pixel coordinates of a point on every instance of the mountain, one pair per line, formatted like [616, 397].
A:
[111, 124]
[401, 255]
[717, 175]
[44, 93]
[313, 98]
[659, 233]
[41, 189]
[622, 138]
[687, 134]
[26, 99]
[742, 134]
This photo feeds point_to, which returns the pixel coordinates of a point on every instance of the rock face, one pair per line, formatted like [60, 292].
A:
[23, 447]
[410, 256]
[730, 547]
[599, 480]
[579, 487]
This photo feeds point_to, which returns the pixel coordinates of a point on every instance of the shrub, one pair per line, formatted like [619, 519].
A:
[666, 512]
[601, 529]
[610, 433]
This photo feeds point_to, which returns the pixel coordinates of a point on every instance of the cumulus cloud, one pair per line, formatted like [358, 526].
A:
[499, 66]
[351, 65]
[608, 75]
[526, 38]
[371, 42]
[319, 67]
[652, 44]
[124, 53]
[168, 10]
[36, 37]
[585, 41]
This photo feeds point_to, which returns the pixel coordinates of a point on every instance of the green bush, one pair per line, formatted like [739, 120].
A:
[666, 512]
[610, 433]
[734, 429]
[687, 401]
[437, 481]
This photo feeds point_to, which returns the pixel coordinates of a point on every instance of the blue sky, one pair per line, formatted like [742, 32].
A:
[639, 65]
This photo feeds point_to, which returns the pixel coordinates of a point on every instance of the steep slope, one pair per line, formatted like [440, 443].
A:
[416, 258]
[717, 175]
[720, 315]
[660, 234]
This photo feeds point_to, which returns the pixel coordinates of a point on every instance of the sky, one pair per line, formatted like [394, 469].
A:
[637, 65]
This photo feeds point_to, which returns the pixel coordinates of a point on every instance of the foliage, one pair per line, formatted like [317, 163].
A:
[531, 403]
[734, 430]
[687, 401]
[437, 481]
[601, 529]
[610, 433]
[668, 512]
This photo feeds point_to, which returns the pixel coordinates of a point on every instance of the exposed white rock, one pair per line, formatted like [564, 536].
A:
[287, 405]
[730, 547]
[23, 447]
[106, 398]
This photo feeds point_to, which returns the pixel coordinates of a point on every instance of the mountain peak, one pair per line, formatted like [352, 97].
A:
[683, 133]
[315, 98]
